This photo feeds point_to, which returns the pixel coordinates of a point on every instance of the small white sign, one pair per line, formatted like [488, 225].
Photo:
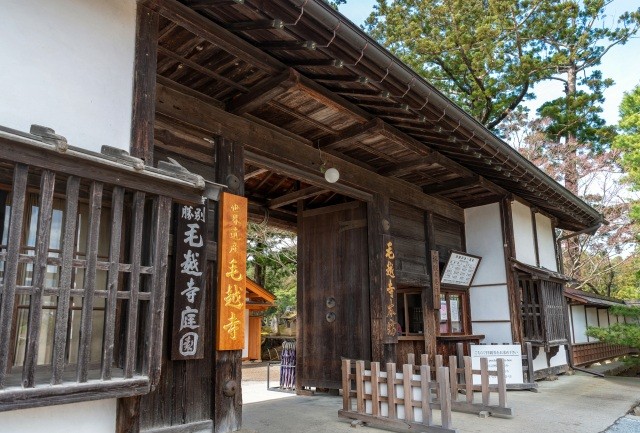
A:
[460, 269]
[511, 354]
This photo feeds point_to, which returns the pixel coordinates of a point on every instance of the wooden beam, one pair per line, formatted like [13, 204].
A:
[293, 197]
[144, 84]
[264, 92]
[290, 152]
[351, 134]
[244, 26]
[206, 29]
[334, 63]
[406, 167]
[451, 185]
[211, 4]
[288, 45]
[201, 69]
[255, 173]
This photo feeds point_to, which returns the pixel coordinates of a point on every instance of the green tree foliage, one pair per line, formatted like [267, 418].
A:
[335, 3]
[484, 55]
[272, 263]
[629, 142]
[625, 334]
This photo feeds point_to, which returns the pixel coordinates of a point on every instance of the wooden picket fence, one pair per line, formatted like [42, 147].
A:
[529, 382]
[463, 398]
[376, 406]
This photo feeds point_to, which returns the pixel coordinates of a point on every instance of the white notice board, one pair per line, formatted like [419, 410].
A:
[460, 269]
[511, 354]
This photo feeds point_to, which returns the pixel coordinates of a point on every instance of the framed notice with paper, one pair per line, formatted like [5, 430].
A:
[460, 269]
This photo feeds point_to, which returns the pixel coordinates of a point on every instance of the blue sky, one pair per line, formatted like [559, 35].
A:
[622, 63]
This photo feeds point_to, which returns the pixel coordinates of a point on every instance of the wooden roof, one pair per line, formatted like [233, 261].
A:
[591, 299]
[258, 297]
[301, 68]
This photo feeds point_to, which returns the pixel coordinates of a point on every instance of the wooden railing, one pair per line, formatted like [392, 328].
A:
[588, 353]
[82, 271]
[396, 399]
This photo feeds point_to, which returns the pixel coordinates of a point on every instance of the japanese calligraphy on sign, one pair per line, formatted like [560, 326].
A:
[391, 315]
[188, 294]
[460, 269]
[232, 245]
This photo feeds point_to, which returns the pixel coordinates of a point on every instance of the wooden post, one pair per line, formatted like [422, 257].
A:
[346, 384]
[425, 388]
[431, 295]
[407, 375]
[453, 376]
[502, 384]
[375, 388]
[227, 373]
[484, 380]
[445, 396]
[382, 301]
[468, 379]
[391, 390]
[360, 386]
[144, 84]
[512, 282]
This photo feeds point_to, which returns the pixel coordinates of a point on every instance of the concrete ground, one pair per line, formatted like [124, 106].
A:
[573, 404]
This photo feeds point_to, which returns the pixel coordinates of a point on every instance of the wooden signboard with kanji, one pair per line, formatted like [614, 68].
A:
[232, 266]
[189, 288]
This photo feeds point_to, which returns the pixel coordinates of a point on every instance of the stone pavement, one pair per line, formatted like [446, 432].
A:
[573, 404]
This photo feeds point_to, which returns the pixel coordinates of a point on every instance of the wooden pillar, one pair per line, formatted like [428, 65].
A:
[513, 288]
[144, 84]
[429, 301]
[227, 394]
[383, 344]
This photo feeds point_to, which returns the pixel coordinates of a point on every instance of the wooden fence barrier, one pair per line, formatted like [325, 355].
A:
[377, 406]
[463, 398]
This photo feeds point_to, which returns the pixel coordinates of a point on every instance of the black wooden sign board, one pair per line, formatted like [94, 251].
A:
[190, 242]
[460, 269]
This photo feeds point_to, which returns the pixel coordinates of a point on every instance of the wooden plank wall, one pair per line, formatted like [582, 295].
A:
[335, 266]
[408, 233]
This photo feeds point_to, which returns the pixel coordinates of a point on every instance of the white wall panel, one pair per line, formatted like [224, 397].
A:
[68, 65]
[97, 416]
[489, 303]
[483, 233]
[546, 243]
[592, 319]
[579, 324]
[494, 332]
[523, 233]
[603, 317]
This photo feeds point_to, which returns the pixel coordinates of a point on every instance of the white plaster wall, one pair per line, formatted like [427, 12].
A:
[92, 416]
[540, 362]
[592, 319]
[68, 65]
[579, 324]
[523, 233]
[245, 349]
[494, 332]
[603, 317]
[489, 303]
[546, 243]
[483, 234]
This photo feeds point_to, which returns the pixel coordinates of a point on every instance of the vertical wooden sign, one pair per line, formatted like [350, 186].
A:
[232, 266]
[391, 313]
[435, 278]
[188, 293]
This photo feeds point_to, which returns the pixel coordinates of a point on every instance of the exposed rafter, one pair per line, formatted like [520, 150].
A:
[451, 185]
[255, 173]
[264, 92]
[293, 197]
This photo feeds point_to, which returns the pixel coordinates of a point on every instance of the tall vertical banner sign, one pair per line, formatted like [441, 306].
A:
[232, 267]
[189, 283]
[389, 302]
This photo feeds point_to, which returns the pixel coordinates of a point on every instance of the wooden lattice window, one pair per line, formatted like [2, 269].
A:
[82, 274]
[543, 311]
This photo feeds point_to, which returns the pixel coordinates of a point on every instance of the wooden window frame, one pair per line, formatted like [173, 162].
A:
[136, 268]
[542, 310]
[404, 293]
[463, 312]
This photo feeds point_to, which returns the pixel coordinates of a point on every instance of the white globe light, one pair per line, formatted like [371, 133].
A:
[332, 175]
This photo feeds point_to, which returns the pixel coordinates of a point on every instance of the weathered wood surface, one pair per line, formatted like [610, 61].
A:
[144, 84]
[297, 152]
[334, 265]
[396, 403]
[513, 290]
